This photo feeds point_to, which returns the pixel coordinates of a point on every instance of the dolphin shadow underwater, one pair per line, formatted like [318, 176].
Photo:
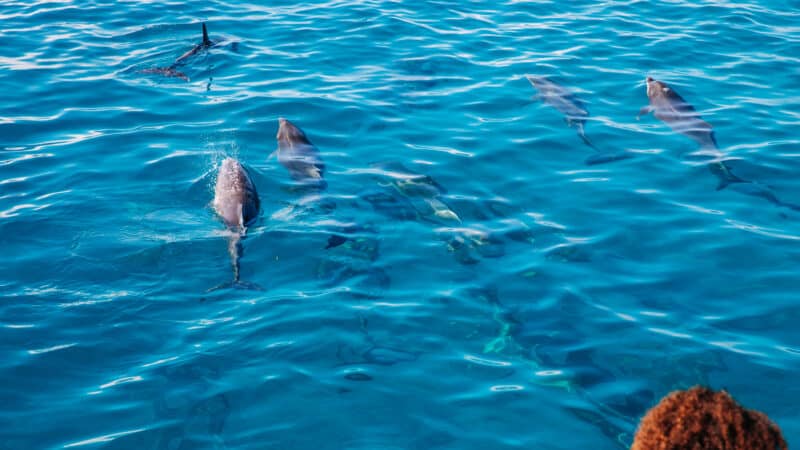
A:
[236, 202]
[669, 107]
[172, 71]
[575, 114]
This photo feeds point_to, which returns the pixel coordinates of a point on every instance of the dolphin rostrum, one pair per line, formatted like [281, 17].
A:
[237, 204]
[171, 70]
[298, 155]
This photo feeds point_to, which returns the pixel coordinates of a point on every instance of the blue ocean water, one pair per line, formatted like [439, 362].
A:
[492, 290]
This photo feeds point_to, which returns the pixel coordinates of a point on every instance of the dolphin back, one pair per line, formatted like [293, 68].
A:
[237, 203]
[669, 107]
[171, 71]
[235, 196]
[559, 98]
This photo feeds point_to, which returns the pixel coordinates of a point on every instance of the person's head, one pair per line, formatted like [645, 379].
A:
[700, 418]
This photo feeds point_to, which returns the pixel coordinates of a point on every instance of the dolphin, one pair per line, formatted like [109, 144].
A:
[205, 44]
[575, 114]
[423, 192]
[171, 70]
[299, 156]
[669, 107]
[426, 198]
[560, 98]
[237, 204]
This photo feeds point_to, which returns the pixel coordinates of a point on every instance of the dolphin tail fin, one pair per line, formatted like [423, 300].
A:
[713, 140]
[247, 285]
[237, 284]
[726, 177]
[206, 40]
[582, 134]
[725, 182]
[235, 249]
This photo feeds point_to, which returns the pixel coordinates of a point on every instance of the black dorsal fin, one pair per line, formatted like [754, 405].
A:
[206, 41]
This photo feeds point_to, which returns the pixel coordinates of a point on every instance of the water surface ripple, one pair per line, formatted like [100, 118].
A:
[492, 291]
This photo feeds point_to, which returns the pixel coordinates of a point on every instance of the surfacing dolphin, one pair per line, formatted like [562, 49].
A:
[206, 43]
[237, 204]
[299, 156]
[171, 70]
[575, 114]
[669, 107]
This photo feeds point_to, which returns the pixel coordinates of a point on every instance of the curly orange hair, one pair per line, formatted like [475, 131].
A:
[701, 419]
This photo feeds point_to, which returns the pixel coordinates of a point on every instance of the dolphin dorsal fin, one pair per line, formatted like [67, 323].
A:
[206, 41]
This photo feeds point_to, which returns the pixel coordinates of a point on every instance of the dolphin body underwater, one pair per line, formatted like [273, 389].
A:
[237, 204]
[575, 114]
[302, 160]
[669, 107]
[358, 250]
[299, 156]
[172, 70]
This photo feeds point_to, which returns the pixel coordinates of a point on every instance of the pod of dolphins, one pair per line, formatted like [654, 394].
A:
[237, 203]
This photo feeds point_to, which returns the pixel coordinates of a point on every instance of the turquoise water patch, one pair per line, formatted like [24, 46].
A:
[471, 275]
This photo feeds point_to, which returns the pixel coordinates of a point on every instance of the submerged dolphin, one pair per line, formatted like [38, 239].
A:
[423, 192]
[575, 114]
[574, 110]
[171, 70]
[298, 155]
[412, 195]
[236, 202]
[669, 107]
